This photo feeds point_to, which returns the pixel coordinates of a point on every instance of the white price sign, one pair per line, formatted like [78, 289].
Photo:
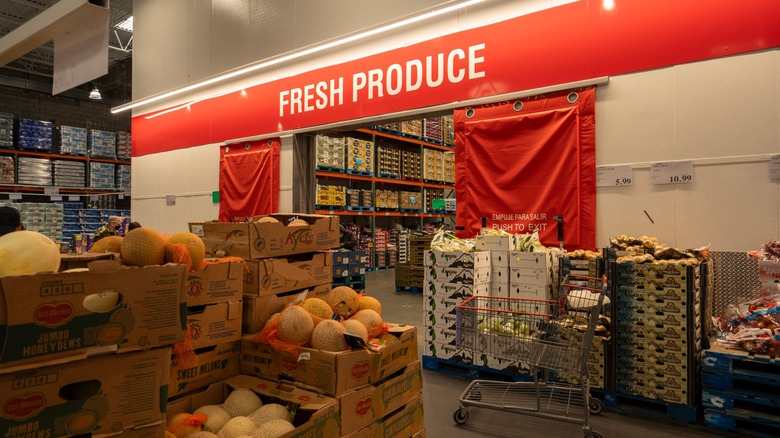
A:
[774, 166]
[613, 176]
[74, 198]
[671, 172]
[14, 196]
[51, 190]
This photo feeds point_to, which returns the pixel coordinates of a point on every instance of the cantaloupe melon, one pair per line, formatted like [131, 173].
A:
[241, 402]
[356, 328]
[371, 320]
[267, 220]
[329, 336]
[271, 319]
[107, 244]
[194, 246]
[270, 411]
[370, 303]
[142, 247]
[389, 338]
[295, 325]
[274, 429]
[27, 252]
[298, 223]
[236, 427]
[343, 300]
[318, 308]
[217, 417]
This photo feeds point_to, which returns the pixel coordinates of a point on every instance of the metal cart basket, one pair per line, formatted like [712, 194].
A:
[538, 335]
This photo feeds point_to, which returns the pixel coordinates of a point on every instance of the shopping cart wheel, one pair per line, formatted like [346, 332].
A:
[595, 405]
[461, 416]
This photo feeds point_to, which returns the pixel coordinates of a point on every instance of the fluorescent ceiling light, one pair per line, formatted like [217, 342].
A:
[126, 25]
[294, 55]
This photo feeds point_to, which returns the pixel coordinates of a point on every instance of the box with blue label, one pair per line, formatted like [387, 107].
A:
[102, 144]
[73, 141]
[34, 135]
[341, 257]
[357, 257]
[341, 271]
[357, 269]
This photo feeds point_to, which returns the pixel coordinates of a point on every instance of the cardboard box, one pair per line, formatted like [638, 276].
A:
[499, 258]
[458, 259]
[499, 274]
[404, 422]
[494, 243]
[44, 317]
[103, 395]
[257, 310]
[80, 261]
[454, 291]
[530, 291]
[256, 240]
[214, 363]
[529, 276]
[214, 324]
[316, 415]
[530, 260]
[332, 373]
[457, 275]
[499, 289]
[277, 275]
[341, 257]
[361, 407]
[357, 257]
[218, 282]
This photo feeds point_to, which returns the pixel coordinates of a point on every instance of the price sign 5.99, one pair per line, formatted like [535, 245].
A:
[671, 172]
[613, 176]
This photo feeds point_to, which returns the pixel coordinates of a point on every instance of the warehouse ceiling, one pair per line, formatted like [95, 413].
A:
[35, 70]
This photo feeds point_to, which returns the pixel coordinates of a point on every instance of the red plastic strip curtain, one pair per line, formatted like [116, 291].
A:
[518, 165]
[248, 180]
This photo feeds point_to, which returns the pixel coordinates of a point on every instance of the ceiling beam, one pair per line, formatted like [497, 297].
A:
[10, 19]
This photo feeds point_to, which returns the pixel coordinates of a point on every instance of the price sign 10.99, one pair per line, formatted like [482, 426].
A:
[671, 172]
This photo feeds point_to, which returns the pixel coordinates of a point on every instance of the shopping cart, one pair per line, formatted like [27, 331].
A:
[540, 335]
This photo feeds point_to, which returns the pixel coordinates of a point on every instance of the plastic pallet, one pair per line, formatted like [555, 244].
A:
[330, 169]
[408, 178]
[409, 289]
[470, 371]
[353, 208]
[729, 401]
[764, 426]
[329, 207]
[358, 172]
[723, 359]
[388, 176]
[431, 140]
[350, 280]
[384, 267]
[436, 211]
[656, 408]
[743, 383]
[409, 210]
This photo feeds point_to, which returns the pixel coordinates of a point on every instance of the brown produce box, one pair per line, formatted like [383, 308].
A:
[257, 240]
[332, 373]
[277, 275]
[214, 324]
[317, 415]
[257, 310]
[64, 316]
[219, 282]
[361, 407]
[100, 395]
[80, 261]
[403, 423]
[214, 363]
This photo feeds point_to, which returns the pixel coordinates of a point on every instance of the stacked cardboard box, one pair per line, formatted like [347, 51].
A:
[6, 131]
[34, 135]
[450, 279]
[499, 247]
[430, 195]
[449, 205]
[403, 246]
[349, 263]
[412, 127]
[54, 383]
[330, 152]
[122, 176]
[387, 199]
[448, 129]
[388, 161]
[432, 128]
[412, 165]
[658, 331]
[69, 173]
[410, 201]
[412, 272]
[283, 260]
[360, 155]
[448, 167]
[123, 145]
[7, 173]
[375, 392]
[73, 140]
[36, 171]
[213, 328]
[433, 165]
[102, 144]
[102, 175]
[530, 275]
[42, 218]
[331, 195]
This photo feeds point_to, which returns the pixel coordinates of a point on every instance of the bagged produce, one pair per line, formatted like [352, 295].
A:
[753, 325]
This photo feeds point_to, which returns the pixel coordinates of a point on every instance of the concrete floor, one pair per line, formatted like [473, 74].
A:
[442, 391]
